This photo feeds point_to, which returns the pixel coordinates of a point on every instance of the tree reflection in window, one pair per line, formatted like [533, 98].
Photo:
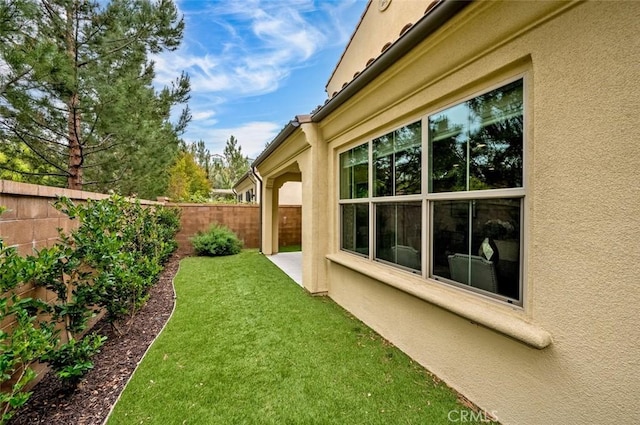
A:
[477, 144]
[397, 162]
[354, 173]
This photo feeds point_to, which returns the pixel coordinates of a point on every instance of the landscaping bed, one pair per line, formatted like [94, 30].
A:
[91, 402]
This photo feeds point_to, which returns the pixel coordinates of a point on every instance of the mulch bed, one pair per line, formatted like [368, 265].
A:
[91, 402]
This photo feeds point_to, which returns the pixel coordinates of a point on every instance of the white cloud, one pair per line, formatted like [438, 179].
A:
[254, 44]
[202, 115]
[251, 136]
[237, 49]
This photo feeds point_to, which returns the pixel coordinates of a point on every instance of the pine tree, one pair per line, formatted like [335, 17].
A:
[202, 156]
[77, 91]
[230, 166]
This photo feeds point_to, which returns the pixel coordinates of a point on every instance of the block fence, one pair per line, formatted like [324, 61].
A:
[31, 222]
[243, 219]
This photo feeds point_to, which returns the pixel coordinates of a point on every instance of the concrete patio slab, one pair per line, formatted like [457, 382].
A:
[290, 263]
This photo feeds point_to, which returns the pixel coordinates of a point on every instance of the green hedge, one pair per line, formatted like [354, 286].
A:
[109, 262]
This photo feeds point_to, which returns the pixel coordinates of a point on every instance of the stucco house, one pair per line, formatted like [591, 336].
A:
[247, 190]
[470, 191]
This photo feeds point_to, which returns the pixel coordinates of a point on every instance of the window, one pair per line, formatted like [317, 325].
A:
[354, 173]
[397, 174]
[354, 186]
[397, 162]
[471, 195]
[398, 233]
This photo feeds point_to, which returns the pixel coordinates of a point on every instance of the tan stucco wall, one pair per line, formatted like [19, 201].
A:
[291, 193]
[376, 29]
[303, 158]
[247, 184]
[582, 212]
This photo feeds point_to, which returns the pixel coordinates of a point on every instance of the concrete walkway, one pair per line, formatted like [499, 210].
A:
[290, 263]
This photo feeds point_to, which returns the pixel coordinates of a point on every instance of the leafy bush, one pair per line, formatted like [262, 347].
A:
[72, 360]
[27, 340]
[218, 240]
[110, 261]
[124, 244]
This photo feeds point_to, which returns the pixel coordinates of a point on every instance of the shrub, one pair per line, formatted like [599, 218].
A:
[29, 337]
[110, 261]
[218, 240]
[124, 244]
[72, 360]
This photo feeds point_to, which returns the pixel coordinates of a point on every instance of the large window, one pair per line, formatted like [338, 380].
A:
[471, 195]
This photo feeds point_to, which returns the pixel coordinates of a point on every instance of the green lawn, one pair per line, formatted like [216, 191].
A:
[290, 248]
[246, 345]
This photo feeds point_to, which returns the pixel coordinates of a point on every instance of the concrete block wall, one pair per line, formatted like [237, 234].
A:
[290, 225]
[30, 221]
[243, 219]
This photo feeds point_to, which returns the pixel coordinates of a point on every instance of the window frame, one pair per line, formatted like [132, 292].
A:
[428, 199]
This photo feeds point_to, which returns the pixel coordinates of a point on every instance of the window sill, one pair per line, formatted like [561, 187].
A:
[504, 319]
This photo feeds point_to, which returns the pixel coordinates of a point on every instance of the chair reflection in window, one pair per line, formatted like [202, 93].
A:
[407, 256]
[474, 271]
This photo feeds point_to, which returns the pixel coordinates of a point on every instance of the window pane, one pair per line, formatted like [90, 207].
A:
[398, 233]
[448, 150]
[355, 228]
[354, 173]
[397, 162]
[496, 237]
[450, 234]
[408, 159]
[477, 243]
[477, 144]
[383, 164]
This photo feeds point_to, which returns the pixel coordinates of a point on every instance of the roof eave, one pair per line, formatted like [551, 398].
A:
[280, 138]
[428, 24]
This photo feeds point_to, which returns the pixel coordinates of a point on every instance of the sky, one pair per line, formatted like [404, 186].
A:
[256, 64]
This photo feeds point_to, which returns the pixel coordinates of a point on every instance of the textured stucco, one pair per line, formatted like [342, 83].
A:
[581, 219]
[376, 30]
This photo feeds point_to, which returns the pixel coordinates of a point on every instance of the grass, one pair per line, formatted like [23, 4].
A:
[246, 345]
[290, 248]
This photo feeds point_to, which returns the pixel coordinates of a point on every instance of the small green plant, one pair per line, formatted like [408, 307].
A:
[218, 240]
[27, 339]
[71, 361]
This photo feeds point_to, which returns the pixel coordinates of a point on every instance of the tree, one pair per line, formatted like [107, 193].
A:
[202, 156]
[230, 166]
[187, 181]
[76, 90]
[17, 156]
